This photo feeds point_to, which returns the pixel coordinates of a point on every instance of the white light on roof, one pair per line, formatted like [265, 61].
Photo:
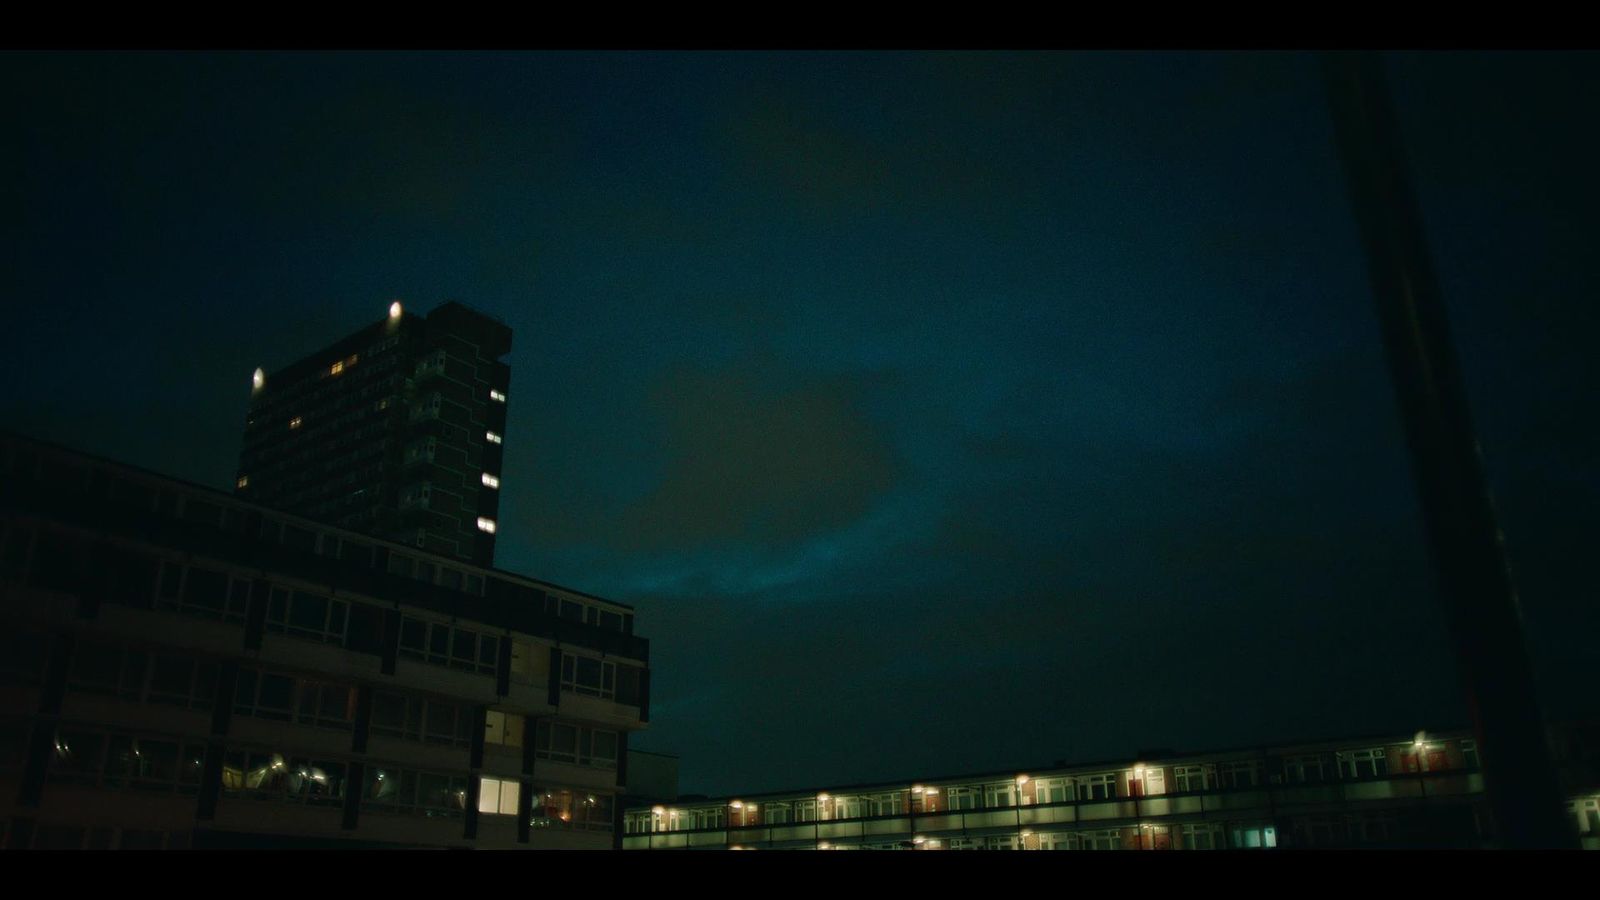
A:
[490, 480]
[258, 380]
[394, 310]
[486, 524]
[491, 437]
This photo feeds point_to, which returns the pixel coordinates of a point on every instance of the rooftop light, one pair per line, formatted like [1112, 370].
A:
[258, 379]
[394, 310]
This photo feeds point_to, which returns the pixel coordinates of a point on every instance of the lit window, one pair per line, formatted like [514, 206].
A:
[486, 524]
[497, 396]
[492, 437]
[498, 797]
[244, 481]
[337, 368]
[503, 728]
[488, 481]
[294, 422]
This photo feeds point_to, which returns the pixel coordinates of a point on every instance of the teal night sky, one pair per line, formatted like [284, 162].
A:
[938, 412]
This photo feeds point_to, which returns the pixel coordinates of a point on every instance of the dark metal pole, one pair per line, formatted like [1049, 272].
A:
[1474, 581]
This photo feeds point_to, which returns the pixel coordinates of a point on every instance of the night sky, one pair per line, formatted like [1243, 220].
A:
[938, 412]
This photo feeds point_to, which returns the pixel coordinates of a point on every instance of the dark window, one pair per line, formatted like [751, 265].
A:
[201, 511]
[58, 837]
[389, 713]
[413, 635]
[206, 590]
[308, 612]
[171, 578]
[13, 744]
[297, 538]
[465, 648]
[22, 655]
[366, 629]
[78, 756]
[56, 562]
[171, 678]
[14, 553]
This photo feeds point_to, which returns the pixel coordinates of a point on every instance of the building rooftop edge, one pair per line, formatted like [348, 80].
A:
[228, 497]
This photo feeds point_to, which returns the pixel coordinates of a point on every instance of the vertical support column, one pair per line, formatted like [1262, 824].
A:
[554, 696]
[524, 810]
[255, 623]
[1467, 549]
[210, 782]
[502, 670]
[363, 723]
[391, 640]
[354, 785]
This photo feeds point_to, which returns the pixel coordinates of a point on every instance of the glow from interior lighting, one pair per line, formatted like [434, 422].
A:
[1022, 780]
[486, 525]
[490, 480]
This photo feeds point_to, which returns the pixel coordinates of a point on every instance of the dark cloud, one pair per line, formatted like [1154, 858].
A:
[754, 457]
